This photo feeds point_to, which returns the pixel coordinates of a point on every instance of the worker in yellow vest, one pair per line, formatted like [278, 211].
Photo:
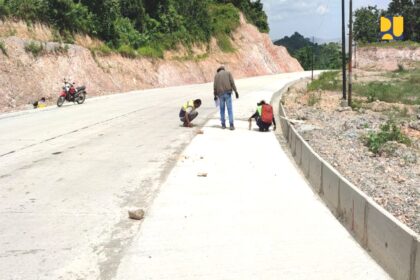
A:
[264, 116]
[40, 104]
[189, 112]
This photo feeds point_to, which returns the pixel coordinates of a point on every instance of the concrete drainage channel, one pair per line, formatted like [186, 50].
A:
[392, 244]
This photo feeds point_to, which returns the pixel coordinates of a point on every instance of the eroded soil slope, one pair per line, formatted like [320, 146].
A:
[25, 78]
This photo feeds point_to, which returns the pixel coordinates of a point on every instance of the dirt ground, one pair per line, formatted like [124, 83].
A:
[392, 177]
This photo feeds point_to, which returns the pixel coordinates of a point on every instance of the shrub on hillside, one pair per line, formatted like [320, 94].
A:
[326, 81]
[388, 132]
[3, 48]
[35, 48]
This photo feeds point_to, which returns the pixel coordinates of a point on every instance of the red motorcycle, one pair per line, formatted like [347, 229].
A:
[72, 94]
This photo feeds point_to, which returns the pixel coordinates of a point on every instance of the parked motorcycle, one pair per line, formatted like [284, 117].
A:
[71, 94]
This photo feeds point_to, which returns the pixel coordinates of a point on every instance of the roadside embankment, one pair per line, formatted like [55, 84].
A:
[386, 58]
[390, 242]
[30, 71]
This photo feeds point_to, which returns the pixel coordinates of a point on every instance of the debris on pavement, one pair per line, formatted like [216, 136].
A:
[136, 214]
[199, 131]
[202, 174]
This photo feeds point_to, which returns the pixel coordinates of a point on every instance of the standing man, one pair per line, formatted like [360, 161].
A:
[223, 87]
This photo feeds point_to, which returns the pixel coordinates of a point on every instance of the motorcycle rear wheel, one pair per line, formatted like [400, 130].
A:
[60, 101]
[81, 98]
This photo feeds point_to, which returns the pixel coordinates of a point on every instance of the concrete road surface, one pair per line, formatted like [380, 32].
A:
[68, 175]
[252, 216]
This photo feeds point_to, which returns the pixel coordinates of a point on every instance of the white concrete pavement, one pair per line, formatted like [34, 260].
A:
[68, 175]
[252, 217]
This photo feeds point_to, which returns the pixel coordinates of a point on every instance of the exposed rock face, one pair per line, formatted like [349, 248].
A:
[24, 78]
[386, 59]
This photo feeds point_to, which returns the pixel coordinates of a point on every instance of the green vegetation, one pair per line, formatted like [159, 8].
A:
[3, 48]
[326, 81]
[224, 20]
[35, 48]
[388, 132]
[62, 49]
[402, 88]
[314, 98]
[102, 50]
[325, 56]
[154, 52]
[366, 25]
[4, 10]
[356, 104]
[140, 27]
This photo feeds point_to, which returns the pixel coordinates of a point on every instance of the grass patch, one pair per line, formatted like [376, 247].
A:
[127, 51]
[314, 98]
[224, 20]
[3, 48]
[151, 51]
[201, 57]
[102, 50]
[356, 104]
[326, 81]
[224, 43]
[388, 132]
[61, 49]
[403, 88]
[35, 48]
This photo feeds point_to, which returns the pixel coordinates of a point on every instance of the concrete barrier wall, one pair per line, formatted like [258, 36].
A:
[353, 210]
[417, 262]
[390, 242]
[331, 189]
[395, 247]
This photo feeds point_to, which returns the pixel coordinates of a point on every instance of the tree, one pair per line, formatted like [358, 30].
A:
[134, 10]
[253, 11]
[294, 42]
[406, 9]
[196, 16]
[66, 15]
[28, 10]
[416, 12]
[366, 24]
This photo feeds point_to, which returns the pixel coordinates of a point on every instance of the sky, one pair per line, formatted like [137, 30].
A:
[319, 18]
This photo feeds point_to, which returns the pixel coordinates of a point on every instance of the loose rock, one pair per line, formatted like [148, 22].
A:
[136, 214]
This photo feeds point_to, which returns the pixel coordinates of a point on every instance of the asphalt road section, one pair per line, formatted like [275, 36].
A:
[68, 175]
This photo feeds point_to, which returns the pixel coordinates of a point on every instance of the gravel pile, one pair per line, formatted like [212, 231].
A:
[391, 178]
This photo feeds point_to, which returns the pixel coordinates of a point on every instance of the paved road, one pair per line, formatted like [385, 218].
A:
[68, 175]
[252, 217]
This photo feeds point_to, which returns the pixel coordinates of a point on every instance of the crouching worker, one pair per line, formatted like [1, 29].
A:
[40, 104]
[264, 116]
[189, 112]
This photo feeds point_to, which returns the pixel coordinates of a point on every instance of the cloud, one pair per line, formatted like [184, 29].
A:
[322, 9]
[282, 9]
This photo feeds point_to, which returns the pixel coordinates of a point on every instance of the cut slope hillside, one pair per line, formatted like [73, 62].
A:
[383, 58]
[25, 77]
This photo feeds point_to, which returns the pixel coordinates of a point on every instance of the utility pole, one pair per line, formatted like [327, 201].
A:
[350, 53]
[343, 48]
[313, 54]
